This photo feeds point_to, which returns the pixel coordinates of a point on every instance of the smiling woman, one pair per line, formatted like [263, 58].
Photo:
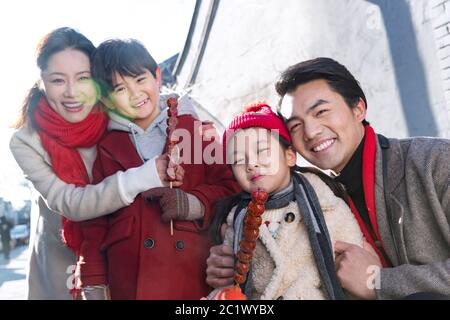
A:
[55, 146]
[47, 15]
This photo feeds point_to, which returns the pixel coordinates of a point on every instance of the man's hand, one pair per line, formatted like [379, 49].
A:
[357, 269]
[167, 170]
[220, 266]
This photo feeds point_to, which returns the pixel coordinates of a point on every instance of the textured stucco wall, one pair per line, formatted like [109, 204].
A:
[397, 49]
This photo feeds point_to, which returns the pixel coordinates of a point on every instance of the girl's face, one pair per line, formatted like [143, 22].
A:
[68, 85]
[259, 161]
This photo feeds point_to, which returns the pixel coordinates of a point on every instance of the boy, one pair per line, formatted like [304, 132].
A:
[132, 250]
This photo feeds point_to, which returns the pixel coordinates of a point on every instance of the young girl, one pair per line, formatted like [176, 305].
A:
[293, 256]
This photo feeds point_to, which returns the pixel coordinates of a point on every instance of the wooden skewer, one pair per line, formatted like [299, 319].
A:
[171, 220]
[172, 103]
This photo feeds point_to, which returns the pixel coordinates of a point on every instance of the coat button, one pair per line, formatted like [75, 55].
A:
[149, 243]
[179, 245]
[290, 217]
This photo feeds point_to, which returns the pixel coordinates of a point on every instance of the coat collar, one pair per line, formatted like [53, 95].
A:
[396, 174]
[395, 165]
[118, 144]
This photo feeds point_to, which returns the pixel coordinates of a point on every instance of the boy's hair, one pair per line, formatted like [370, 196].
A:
[335, 74]
[127, 57]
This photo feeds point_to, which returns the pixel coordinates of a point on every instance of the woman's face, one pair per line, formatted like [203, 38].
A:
[68, 85]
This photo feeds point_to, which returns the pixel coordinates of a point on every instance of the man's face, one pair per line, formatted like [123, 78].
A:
[324, 130]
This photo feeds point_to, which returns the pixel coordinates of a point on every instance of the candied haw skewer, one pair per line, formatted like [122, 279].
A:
[252, 221]
[172, 121]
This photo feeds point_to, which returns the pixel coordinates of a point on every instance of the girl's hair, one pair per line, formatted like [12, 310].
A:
[127, 57]
[56, 41]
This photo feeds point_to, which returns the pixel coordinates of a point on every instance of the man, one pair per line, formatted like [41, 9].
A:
[399, 189]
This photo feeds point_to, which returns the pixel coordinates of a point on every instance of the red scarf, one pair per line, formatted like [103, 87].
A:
[368, 179]
[61, 139]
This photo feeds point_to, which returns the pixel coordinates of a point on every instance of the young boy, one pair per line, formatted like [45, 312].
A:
[132, 250]
[293, 256]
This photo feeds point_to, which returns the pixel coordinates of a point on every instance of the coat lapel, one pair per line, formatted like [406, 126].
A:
[395, 172]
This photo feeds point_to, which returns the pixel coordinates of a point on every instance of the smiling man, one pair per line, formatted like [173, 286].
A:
[398, 189]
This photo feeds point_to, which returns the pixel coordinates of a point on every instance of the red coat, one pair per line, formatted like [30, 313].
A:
[132, 251]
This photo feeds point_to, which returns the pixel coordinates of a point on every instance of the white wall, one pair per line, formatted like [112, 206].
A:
[392, 48]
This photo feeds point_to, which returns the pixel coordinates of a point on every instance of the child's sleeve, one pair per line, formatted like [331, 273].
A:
[92, 263]
[219, 183]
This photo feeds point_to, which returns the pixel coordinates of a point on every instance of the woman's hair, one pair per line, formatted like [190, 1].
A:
[56, 41]
[127, 57]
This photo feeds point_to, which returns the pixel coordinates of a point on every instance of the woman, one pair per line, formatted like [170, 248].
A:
[59, 127]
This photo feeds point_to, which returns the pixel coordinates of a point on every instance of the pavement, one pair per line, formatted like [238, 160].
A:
[13, 283]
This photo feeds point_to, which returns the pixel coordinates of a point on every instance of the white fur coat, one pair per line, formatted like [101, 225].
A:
[284, 266]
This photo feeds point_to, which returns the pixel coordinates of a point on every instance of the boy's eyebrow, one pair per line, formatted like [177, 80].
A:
[310, 109]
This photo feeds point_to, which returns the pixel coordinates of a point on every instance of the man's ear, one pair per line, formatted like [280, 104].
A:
[360, 110]
[291, 157]
[158, 76]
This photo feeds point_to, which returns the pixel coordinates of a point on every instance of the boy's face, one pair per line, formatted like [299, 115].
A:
[136, 97]
[259, 161]
[324, 130]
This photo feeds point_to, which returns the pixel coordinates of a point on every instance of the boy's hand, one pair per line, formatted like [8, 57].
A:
[164, 169]
[174, 203]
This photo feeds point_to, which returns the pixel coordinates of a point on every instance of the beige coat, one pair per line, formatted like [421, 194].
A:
[284, 266]
[51, 263]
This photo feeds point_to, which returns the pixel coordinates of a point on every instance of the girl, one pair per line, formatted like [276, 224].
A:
[293, 255]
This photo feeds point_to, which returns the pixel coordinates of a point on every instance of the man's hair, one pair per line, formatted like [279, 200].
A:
[335, 74]
[127, 57]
